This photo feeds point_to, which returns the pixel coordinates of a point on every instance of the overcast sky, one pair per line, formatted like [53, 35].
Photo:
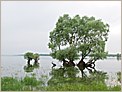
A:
[26, 24]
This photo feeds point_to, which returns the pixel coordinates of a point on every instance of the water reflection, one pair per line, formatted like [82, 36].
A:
[12, 64]
[66, 75]
[53, 65]
[58, 75]
[30, 67]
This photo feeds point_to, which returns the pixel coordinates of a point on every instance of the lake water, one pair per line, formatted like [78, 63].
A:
[14, 66]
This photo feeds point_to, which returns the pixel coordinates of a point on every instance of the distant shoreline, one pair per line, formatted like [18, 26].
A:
[109, 55]
[23, 55]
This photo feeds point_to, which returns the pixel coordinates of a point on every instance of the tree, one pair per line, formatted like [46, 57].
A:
[36, 57]
[28, 56]
[74, 37]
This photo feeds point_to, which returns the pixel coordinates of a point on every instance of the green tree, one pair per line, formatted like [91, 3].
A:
[28, 56]
[76, 36]
[36, 57]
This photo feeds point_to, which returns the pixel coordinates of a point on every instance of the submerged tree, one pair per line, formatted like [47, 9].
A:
[28, 56]
[74, 37]
[36, 57]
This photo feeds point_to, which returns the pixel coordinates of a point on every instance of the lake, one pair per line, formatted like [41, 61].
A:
[14, 66]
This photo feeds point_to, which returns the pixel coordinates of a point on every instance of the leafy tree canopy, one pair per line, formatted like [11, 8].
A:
[36, 56]
[28, 55]
[85, 36]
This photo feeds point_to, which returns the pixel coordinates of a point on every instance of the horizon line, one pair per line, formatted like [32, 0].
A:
[109, 55]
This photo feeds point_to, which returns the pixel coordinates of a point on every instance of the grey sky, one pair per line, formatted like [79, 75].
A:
[26, 24]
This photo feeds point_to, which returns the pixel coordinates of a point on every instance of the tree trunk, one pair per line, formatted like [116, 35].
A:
[65, 63]
[36, 61]
[68, 63]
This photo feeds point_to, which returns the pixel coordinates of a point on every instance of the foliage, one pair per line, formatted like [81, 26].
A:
[94, 82]
[77, 87]
[36, 56]
[30, 81]
[28, 55]
[85, 36]
[63, 75]
[67, 53]
[36, 65]
[28, 68]
[10, 84]
[65, 72]
[25, 84]
[69, 75]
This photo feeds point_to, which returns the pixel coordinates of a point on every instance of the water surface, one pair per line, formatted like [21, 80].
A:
[14, 66]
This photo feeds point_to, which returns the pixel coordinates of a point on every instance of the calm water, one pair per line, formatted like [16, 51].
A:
[14, 66]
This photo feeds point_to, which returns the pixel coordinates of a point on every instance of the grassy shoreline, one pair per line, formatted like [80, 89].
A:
[57, 84]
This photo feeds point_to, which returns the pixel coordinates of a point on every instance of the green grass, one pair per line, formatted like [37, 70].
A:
[14, 84]
[77, 87]
[31, 84]
[10, 84]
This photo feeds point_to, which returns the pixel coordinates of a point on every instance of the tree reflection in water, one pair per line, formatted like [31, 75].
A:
[30, 67]
[68, 75]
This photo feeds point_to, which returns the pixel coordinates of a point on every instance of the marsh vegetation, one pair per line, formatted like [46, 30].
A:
[61, 80]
